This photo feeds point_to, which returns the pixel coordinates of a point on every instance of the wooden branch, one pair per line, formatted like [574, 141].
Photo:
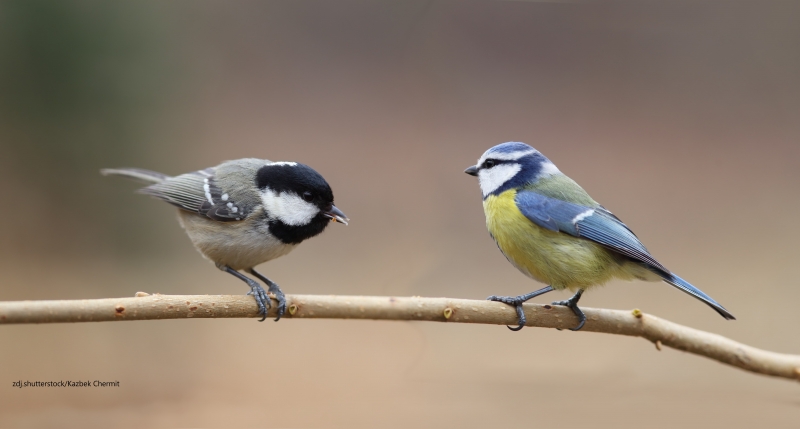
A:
[631, 323]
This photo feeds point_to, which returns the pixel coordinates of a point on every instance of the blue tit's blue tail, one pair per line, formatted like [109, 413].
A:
[697, 293]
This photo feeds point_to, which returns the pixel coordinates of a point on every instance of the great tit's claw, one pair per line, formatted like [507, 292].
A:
[281, 304]
[275, 290]
[262, 300]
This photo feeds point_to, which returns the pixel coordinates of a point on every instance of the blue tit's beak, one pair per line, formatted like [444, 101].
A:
[472, 171]
[336, 215]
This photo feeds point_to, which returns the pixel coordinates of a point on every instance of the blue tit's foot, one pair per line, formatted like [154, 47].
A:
[517, 302]
[273, 289]
[572, 303]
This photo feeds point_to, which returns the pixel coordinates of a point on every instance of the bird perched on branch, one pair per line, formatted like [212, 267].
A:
[245, 212]
[551, 230]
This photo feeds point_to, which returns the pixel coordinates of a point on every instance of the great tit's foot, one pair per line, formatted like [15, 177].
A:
[517, 302]
[572, 303]
[281, 298]
[262, 299]
[273, 289]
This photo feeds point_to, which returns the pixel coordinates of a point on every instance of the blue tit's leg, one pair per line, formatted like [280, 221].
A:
[273, 287]
[517, 301]
[572, 303]
[255, 289]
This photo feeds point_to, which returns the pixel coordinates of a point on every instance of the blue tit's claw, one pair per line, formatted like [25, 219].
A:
[521, 317]
[582, 322]
[572, 304]
[510, 300]
[517, 302]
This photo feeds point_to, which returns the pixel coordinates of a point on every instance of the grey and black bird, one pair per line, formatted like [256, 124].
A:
[245, 212]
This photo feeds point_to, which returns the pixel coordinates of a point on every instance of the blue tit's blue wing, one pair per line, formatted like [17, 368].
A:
[592, 223]
[599, 225]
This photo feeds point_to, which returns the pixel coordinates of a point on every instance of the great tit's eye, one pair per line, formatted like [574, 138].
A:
[489, 163]
[308, 196]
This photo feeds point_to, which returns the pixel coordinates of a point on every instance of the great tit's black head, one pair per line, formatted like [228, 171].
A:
[297, 200]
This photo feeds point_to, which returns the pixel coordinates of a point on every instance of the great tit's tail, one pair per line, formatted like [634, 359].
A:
[146, 176]
[697, 293]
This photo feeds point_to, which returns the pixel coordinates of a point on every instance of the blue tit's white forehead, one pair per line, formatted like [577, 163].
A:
[510, 151]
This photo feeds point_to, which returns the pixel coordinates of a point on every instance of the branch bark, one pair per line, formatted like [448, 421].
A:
[631, 323]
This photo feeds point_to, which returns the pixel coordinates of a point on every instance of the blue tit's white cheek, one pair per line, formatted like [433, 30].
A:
[288, 207]
[492, 178]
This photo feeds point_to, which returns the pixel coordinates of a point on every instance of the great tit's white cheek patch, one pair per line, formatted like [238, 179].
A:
[288, 207]
[493, 178]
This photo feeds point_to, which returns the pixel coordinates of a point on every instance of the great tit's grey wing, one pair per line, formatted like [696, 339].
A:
[198, 192]
[592, 223]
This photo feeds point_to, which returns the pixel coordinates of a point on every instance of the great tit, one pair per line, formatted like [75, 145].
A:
[551, 230]
[245, 212]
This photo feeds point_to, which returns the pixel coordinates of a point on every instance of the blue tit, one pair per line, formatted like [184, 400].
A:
[246, 212]
[551, 230]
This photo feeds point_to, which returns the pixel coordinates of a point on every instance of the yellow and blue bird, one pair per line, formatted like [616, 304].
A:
[551, 230]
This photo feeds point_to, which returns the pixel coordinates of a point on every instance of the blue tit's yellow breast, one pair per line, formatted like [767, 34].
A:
[555, 258]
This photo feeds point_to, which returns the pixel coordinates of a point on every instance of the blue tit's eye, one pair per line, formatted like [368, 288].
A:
[308, 196]
[489, 163]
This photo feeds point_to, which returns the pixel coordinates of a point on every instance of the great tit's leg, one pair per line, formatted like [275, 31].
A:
[517, 301]
[255, 289]
[572, 303]
[275, 289]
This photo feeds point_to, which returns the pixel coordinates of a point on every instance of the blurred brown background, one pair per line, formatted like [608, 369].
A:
[681, 117]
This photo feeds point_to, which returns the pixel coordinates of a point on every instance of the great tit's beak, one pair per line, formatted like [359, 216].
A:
[336, 215]
[472, 171]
